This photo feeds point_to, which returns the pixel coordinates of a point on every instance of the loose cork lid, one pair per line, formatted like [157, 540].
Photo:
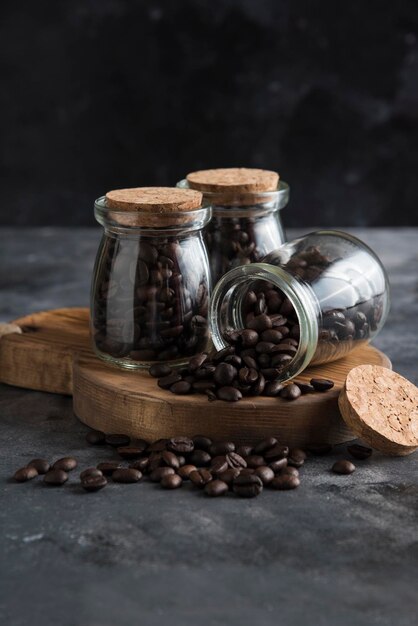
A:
[234, 180]
[153, 207]
[381, 407]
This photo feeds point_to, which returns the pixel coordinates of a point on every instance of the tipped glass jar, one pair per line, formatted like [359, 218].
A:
[246, 222]
[151, 284]
[311, 301]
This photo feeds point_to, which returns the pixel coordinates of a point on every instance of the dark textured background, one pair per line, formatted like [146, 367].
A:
[98, 94]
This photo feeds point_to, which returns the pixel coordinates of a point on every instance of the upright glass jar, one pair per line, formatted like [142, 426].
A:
[151, 283]
[246, 222]
[325, 293]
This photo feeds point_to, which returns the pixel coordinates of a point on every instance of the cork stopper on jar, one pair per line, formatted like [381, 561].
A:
[381, 407]
[153, 206]
[233, 180]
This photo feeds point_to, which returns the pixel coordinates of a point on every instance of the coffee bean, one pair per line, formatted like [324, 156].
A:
[93, 482]
[260, 323]
[273, 388]
[278, 465]
[229, 475]
[25, 473]
[108, 467]
[200, 477]
[160, 370]
[96, 438]
[292, 471]
[296, 457]
[157, 474]
[168, 381]
[265, 444]
[224, 374]
[229, 394]
[126, 475]
[185, 471]
[201, 442]
[41, 465]
[118, 441]
[343, 467]
[218, 448]
[359, 452]
[90, 471]
[181, 459]
[247, 486]
[131, 452]
[170, 459]
[322, 384]
[218, 465]
[319, 449]
[197, 361]
[171, 481]
[235, 460]
[265, 473]
[277, 452]
[181, 388]
[290, 392]
[67, 464]
[216, 488]
[55, 477]
[141, 464]
[305, 388]
[183, 445]
[157, 446]
[244, 451]
[200, 458]
[255, 460]
[285, 482]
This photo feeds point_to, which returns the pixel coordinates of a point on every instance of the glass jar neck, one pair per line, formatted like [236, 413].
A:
[227, 304]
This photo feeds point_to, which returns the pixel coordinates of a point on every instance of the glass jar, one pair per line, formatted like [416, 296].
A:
[325, 293]
[246, 222]
[151, 283]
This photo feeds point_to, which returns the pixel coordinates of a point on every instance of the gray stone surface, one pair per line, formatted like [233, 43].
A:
[340, 550]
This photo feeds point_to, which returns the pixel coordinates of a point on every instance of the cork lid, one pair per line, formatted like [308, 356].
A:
[233, 180]
[381, 407]
[153, 206]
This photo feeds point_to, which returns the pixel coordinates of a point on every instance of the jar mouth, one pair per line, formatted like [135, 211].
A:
[225, 309]
[151, 222]
[230, 201]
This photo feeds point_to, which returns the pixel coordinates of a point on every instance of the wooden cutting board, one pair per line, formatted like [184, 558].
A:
[54, 354]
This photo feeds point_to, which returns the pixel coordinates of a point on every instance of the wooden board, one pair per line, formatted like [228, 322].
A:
[130, 402]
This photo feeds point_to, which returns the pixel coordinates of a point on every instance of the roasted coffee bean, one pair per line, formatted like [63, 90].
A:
[167, 381]
[155, 460]
[273, 388]
[25, 473]
[222, 354]
[218, 465]
[322, 384]
[296, 457]
[246, 471]
[260, 323]
[221, 447]
[290, 392]
[93, 482]
[171, 481]
[130, 452]
[90, 471]
[235, 460]
[292, 471]
[265, 473]
[126, 475]
[182, 445]
[244, 451]
[248, 375]
[200, 477]
[157, 446]
[272, 336]
[265, 444]
[181, 388]
[255, 460]
[201, 442]
[216, 488]
[141, 464]
[181, 459]
[278, 465]
[200, 458]
[247, 485]
[224, 374]
[55, 477]
[234, 359]
[202, 386]
[319, 449]
[285, 482]
[118, 441]
[197, 361]
[343, 467]
[108, 467]
[277, 452]
[170, 459]
[67, 464]
[185, 471]
[41, 465]
[359, 452]
[229, 475]
[229, 394]
[160, 370]
[157, 474]
[305, 388]
[96, 438]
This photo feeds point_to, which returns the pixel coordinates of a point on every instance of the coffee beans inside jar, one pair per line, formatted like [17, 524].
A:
[246, 223]
[151, 281]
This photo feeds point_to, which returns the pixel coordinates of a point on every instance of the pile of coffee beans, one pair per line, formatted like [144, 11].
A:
[234, 241]
[152, 308]
[215, 467]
